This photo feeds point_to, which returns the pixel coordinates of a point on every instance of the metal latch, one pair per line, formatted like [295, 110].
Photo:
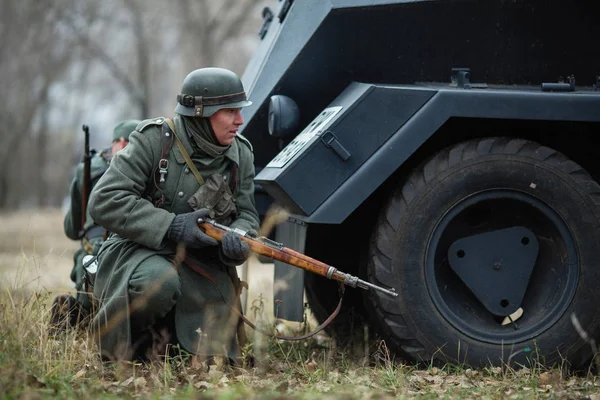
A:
[267, 18]
[331, 141]
[461, 78]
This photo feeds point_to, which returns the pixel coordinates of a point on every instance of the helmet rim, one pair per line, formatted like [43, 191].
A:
[208, 111]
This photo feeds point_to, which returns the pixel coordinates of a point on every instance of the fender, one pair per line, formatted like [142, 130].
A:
[442, 106]
[333, 188]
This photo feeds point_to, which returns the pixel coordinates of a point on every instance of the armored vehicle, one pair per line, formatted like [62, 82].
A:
[446, 149]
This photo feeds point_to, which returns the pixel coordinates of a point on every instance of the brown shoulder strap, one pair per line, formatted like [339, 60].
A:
[189, 161]
[166, 142]
[234, 179]
[184, 153]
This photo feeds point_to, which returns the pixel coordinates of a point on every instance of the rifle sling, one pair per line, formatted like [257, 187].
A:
[167, 143]
[197, 268]
[184, 153]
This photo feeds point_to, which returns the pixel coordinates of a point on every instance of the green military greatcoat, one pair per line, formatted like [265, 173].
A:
[124, 202]
[72, 221]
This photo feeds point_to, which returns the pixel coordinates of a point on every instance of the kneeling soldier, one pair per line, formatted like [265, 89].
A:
[160, 279]
[68, 311]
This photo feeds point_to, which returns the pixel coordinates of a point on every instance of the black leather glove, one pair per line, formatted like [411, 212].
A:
[184, 228]
[233, 251]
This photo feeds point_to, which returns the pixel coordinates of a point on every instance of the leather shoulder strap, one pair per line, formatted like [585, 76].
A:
[184, 153]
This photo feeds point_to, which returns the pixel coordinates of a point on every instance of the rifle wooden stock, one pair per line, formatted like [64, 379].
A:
[277, 252]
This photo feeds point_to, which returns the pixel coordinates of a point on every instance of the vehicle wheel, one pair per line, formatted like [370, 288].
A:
[482, 229]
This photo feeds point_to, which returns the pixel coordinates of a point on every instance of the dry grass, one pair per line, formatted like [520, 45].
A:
[34, 366]
[34, 252]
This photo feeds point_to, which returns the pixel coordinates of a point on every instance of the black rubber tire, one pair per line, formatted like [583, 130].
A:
[412, 324]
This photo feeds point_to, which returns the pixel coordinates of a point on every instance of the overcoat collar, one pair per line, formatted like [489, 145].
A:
[232, 153]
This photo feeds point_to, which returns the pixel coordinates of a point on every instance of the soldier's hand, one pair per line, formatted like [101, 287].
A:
[184, 229]
[233, 250]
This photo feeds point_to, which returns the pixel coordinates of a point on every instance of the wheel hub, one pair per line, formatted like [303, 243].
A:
[496, 266]
[497, 273]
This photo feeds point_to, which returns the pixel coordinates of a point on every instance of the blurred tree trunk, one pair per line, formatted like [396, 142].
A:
[42, 153]
[25, 97]
[137, 87]
[143, 57]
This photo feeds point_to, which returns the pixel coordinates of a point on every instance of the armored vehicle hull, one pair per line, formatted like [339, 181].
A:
[443, 148]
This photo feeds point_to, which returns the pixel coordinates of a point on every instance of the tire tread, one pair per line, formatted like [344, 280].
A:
[386, 229]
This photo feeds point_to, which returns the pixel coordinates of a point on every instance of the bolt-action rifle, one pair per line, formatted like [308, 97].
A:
[86, 184]
[276, 251]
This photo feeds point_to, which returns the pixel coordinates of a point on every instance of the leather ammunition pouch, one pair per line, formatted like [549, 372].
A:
[215, 195]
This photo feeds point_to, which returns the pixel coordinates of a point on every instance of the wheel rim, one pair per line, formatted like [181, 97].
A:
[553, 281]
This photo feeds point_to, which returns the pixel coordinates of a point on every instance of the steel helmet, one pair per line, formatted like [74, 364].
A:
[124, 128]
[207, 90]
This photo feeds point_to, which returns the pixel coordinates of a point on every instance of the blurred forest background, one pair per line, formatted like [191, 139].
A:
[65, 63]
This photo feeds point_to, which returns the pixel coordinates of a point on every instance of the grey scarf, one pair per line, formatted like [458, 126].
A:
[205, 140]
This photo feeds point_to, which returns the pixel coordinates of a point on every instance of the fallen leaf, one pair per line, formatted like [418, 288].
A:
[214, 373]
[470, 373]
[139, 382]
[126, 382]
[197, 364]
[224, 381]
[312, 366]
[550, 377]
[203, 385]
[572, 382]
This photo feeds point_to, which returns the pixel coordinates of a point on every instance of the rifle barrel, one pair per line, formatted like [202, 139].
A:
[86, 185]
[291, 257]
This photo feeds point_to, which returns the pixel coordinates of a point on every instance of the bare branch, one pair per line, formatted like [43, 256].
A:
[143, 59]
[98, 52]
[234, 26]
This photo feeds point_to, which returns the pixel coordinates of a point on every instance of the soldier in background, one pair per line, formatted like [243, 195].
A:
[160, 279]
[67, 310]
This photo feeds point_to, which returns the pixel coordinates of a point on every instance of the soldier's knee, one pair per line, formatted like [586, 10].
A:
[171, 283]
[156, 280]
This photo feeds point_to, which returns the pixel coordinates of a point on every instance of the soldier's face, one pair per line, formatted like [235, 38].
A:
[118, 145]
[225, 124]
